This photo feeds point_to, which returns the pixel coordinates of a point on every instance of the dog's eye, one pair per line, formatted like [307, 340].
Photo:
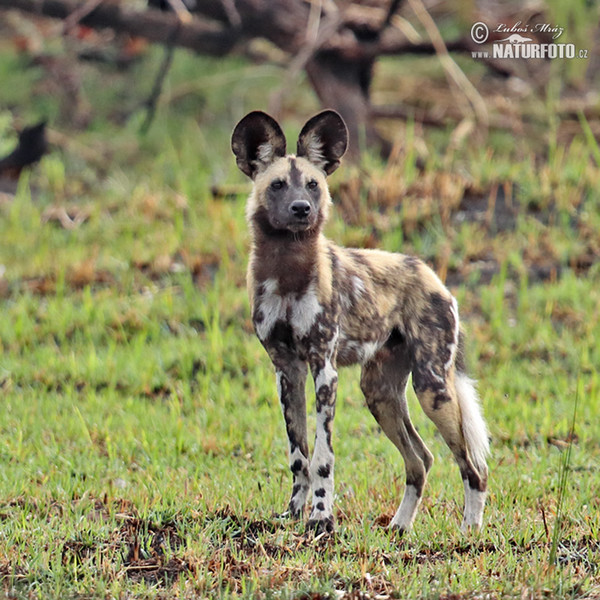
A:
[312, 184]
[277, 184]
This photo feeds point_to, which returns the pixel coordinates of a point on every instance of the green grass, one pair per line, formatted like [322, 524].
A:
[142, 448]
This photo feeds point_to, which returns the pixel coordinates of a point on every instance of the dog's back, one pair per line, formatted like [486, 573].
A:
[383, 295]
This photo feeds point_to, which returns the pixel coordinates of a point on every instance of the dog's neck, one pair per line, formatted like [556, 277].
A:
[290, 258]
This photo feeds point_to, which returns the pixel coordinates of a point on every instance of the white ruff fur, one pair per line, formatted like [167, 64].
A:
[304, 311]
[274, 308]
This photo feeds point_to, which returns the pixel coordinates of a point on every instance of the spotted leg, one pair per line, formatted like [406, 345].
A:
[321, 467]
[291, 382]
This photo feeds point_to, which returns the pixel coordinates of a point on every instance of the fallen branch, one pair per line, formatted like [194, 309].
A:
[207, 37]
[79, 13]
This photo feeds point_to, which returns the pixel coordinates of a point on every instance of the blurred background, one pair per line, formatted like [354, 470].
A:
[129, 94]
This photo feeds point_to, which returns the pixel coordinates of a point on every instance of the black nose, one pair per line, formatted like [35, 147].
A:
[300, 208]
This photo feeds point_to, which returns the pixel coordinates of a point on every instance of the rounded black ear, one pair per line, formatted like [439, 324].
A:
[323, 140]
[257, 141]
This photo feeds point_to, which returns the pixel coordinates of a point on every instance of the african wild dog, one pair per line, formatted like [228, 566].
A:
[316, 305]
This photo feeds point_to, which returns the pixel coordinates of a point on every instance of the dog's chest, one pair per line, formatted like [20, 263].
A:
[300, 320]
[299, 312]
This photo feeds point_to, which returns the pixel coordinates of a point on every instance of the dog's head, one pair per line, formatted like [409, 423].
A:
[290, 191]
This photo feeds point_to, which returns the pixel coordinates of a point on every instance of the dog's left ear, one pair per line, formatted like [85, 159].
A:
[323, 140]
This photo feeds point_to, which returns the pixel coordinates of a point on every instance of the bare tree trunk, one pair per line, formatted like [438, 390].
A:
[343, 85]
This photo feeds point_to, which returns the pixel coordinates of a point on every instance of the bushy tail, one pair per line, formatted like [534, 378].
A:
[474, 428]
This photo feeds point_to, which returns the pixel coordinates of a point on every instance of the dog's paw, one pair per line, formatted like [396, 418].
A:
[320, 526]
[288, 515]
[397, 532]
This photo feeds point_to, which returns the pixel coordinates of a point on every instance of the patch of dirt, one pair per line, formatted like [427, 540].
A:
[583, 552]
[86, 273]
[144, 550]
[240, 548]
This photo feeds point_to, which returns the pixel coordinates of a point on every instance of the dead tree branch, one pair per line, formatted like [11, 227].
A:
[201, 35]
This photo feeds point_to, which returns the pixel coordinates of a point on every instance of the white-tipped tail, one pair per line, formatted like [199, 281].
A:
[474, 428]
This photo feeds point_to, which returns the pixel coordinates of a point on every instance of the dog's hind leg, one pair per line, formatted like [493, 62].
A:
[449, 399]
[383, 382]
[452, 406]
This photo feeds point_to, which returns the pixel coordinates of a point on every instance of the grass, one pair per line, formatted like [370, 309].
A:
[141, 442]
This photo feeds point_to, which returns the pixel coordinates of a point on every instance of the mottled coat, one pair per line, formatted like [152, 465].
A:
[317, 306]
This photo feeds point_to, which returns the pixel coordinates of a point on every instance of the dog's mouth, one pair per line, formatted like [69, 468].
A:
[297, 225]
[300, 225]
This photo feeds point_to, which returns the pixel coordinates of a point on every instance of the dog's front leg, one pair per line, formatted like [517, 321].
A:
[291, 383]
[321, 467]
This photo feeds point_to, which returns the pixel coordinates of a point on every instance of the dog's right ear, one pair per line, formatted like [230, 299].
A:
[257, 141]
